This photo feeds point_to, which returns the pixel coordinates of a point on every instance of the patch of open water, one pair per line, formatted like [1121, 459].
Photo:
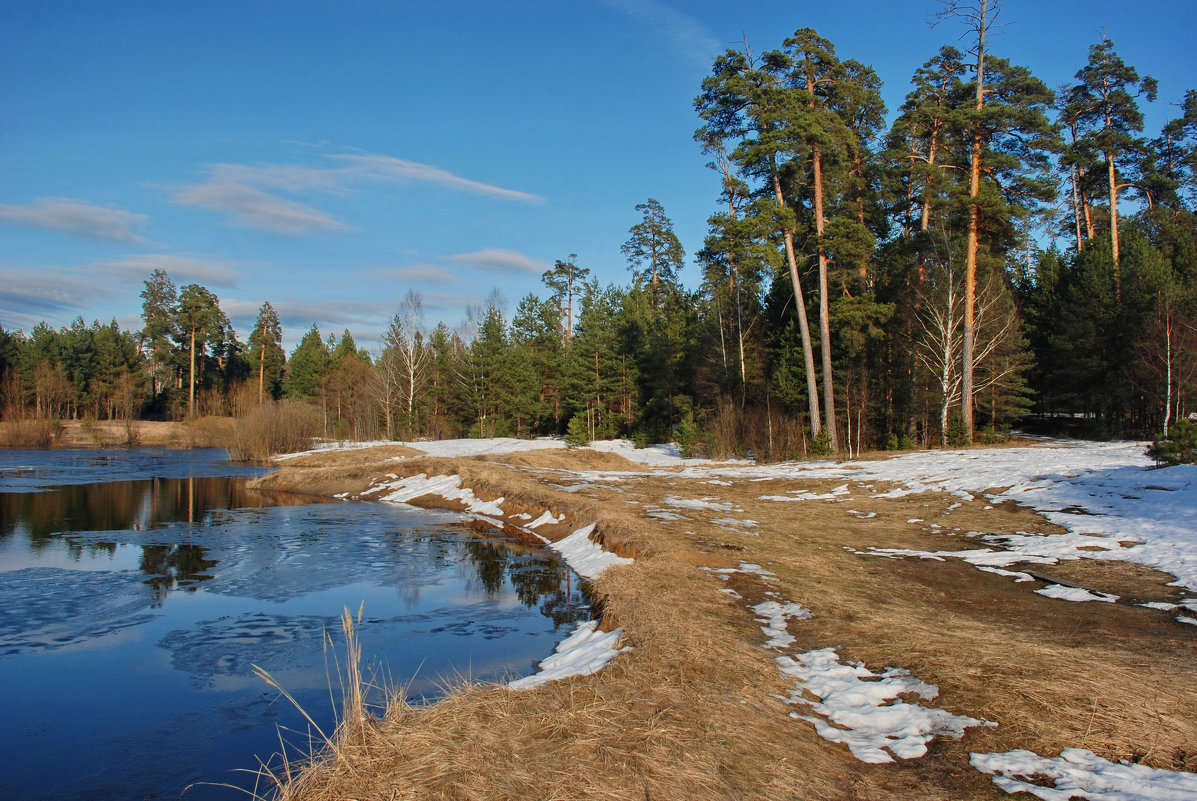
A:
[132, 611]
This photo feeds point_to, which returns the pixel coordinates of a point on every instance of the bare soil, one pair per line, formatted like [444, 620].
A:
[692, 712]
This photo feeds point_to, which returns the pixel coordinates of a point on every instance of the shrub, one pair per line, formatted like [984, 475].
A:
[576, 431]
[283, 427]
[688, 435]
[956, 436]
[1179, 447]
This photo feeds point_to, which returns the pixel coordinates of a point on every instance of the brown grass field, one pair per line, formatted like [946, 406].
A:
[692, 711]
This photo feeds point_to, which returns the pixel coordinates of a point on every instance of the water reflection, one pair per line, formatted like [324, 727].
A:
[131, 612]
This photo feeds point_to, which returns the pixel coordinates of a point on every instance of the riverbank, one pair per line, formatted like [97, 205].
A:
[207, 432]
[743, 577]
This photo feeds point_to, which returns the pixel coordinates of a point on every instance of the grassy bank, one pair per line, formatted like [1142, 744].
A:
[693, 710]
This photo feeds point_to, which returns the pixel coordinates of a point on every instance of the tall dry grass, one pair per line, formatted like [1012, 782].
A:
[29, 433]
[283, 427]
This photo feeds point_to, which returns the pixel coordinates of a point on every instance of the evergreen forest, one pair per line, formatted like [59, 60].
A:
[1001, 252]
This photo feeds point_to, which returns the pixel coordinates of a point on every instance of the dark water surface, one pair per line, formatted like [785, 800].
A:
[138, 588]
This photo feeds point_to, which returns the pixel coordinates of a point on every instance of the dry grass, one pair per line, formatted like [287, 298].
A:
[571, 459]
[690, 712]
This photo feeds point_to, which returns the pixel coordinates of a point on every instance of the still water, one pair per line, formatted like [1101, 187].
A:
[138, 588]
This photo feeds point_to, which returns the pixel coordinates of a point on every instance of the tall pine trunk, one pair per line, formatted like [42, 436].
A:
[824, 310]
[808, 354]
[191, 393]
[970, 264]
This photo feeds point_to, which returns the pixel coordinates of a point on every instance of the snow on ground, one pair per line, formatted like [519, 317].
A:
[585, 556]
[860, 708]
[1081, 773]
[1102, 494]
[837, 494]
[453, 448]
[714, 504]
[448, 487]
[775, 616]
[1075, 594]
[585, 651]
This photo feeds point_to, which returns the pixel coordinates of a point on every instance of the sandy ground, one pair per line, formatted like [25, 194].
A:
[695, 710]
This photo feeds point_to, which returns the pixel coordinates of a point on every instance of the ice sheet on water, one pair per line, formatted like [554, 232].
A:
[44, 609]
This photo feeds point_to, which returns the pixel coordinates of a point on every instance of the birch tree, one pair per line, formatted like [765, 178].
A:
[405, 363]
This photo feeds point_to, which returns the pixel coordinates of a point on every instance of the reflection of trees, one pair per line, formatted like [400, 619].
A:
[174, 567]
[540, 580]
[490, 563]
[123, 505]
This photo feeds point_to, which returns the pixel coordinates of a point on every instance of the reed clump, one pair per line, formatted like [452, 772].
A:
[274, 428]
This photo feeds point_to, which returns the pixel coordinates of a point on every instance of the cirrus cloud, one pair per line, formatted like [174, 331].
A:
[75, 217]
[500, 260]
[249, 193]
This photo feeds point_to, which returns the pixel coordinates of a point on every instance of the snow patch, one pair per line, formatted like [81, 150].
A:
[447, 487]
[713, 504]
[1078, 772]
[775, 616]
[585, 651]
[585, 556]
[860, 708]
[1074, 593]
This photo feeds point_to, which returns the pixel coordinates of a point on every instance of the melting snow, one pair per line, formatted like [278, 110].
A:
[775, 616]
[859, 708]
[1078, 772]
[585, 651]
[698, 503]
[1075, 594]
[586, 557]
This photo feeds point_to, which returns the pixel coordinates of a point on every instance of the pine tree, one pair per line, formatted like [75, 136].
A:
[199, 322]
[745, 104]
[158, 313]
[1103, 107]
[653, 251]
[266, 353]
[566, 280]
[1007, 136]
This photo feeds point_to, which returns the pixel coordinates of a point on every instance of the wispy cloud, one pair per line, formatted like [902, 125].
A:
[253, 208]
[685, 37]
[369, 166]
[182, 269]
[498, 260]
[29, 295]
[249, 193]
[416, 273]
[77, 218]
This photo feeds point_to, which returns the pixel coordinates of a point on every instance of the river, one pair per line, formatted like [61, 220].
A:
[138, 589]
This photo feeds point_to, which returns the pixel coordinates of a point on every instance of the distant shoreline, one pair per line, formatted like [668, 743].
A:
[106, 434]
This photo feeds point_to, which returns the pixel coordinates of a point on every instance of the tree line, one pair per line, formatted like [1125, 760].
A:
[863, 285]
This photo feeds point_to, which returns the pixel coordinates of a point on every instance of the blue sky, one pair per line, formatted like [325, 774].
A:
[330, 156]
